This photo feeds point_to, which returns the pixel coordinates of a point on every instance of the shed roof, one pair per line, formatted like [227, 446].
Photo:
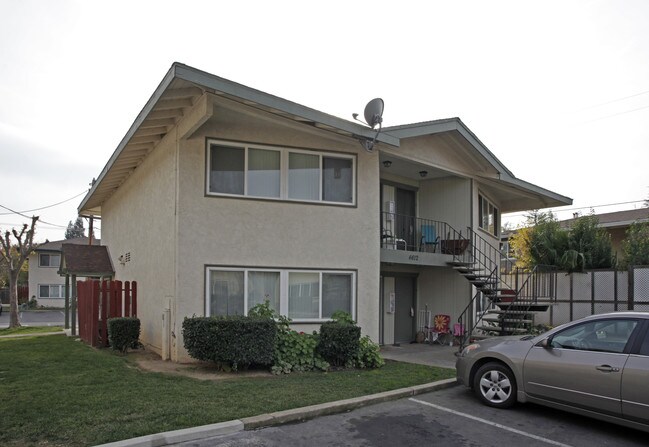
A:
[85, 260]
[56, 245]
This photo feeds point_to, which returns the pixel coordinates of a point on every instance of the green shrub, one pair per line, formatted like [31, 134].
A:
[368, 354]
[123, 333]
[233, 341]
[338, 343]
[293, 351]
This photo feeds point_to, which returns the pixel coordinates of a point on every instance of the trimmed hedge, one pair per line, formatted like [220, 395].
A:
[235, 341]
[339, 342]
[123, 333]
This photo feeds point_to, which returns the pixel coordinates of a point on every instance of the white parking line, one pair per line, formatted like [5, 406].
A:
[493, 424]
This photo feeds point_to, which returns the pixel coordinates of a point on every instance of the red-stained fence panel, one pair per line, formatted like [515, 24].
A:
[97, 301]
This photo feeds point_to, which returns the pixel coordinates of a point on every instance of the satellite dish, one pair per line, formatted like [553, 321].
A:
[374, 112]
[373, 117]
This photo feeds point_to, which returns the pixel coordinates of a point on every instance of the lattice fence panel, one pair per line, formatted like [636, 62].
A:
[581, 286]
[641, 285]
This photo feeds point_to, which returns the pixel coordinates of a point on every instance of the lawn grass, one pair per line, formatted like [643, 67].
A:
[29, 330]
[55, 391]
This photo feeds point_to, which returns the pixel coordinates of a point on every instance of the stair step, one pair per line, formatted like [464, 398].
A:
[501, 330]
[509, 312]
[523, 306]
[462, 269]
[460, 264]
[507, 320]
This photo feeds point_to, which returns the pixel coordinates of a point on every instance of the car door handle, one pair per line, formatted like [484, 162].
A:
[607, 368]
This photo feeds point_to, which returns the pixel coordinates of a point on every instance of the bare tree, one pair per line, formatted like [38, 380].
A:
[14, 256]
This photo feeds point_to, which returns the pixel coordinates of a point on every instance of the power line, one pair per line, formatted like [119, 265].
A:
[615, 100]
[616, 114]
[45, 207]
[28, 217]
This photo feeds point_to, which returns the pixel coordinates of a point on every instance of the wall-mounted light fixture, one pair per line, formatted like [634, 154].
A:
[423, 173]
[387, 163]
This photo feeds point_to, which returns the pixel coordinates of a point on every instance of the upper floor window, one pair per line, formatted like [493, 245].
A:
[278, 173]
[489, 216]
[49, 260]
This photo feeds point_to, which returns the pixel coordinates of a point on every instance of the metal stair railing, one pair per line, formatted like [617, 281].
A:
[523, 284]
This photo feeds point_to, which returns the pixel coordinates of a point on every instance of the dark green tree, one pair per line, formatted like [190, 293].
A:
[544, 242]
[636, 244]
[75, 229]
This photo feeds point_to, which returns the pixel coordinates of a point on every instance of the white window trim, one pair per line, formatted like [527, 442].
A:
[284, 172]
[283, 289]
[61, 292]
[496, 233]
[40, 264]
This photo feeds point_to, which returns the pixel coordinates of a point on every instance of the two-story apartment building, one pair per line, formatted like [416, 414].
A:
[45, 283]
[221, 196]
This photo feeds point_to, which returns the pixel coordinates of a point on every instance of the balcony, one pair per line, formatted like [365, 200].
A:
[415, 241]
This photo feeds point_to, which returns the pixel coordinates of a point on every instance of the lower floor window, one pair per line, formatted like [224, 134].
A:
[51, 291]
[302, 295]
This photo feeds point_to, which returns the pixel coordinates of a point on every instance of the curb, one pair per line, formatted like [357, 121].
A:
[313, 411]
[277, 418]
[177, 436]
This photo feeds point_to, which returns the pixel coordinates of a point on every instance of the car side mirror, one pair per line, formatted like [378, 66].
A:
[546, 343]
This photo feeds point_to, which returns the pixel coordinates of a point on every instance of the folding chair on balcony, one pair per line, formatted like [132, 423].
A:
[429, 237]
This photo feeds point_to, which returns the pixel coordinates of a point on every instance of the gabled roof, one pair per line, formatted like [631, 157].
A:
[184, 99]
[86, 261]
[545, 197]
[182, 92]
[56, 245]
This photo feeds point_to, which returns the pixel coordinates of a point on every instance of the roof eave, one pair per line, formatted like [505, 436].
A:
[207, 80]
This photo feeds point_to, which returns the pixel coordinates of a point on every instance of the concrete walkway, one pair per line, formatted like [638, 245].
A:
[442, 356]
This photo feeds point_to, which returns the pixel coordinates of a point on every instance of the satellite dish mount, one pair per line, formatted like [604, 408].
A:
[373, 117]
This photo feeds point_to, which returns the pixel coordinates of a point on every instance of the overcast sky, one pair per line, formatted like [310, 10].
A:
[557, 90]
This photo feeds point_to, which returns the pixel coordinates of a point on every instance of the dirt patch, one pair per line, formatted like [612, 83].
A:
[150, 361]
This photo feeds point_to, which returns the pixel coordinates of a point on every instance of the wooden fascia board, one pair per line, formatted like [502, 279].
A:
[144, 113]
[197, 116]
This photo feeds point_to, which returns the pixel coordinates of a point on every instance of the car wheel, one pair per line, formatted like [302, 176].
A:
[495, 385]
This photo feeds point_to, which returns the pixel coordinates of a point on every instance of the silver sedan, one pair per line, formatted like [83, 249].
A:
[597, 366]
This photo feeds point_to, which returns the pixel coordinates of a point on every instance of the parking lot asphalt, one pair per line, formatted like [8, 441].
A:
[448, 417]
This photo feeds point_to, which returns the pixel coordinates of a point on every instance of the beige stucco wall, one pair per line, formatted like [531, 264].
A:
[246, 232]
[140, 219]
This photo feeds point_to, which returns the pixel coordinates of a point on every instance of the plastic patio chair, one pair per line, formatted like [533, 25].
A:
[428, 237]
[440, 327]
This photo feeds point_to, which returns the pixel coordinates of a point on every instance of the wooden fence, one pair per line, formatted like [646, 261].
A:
[100, 300]
[23, 295]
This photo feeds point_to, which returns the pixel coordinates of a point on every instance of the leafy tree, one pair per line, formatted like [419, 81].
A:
[13, 256]
[589, 246]
[543, 242]
[540, 242]
[636, 245]
[75, 230]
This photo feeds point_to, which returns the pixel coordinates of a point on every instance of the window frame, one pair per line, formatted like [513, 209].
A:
[61, 288]
[597, 326]
[284, 172]
[49, 264]
[283, 288]
[484, 206]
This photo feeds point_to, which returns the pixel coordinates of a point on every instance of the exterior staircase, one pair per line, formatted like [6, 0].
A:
[506, 298]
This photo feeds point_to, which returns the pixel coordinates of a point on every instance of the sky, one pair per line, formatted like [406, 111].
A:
[557, 90]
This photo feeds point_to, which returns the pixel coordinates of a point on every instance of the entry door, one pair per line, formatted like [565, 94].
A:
[406, 209]
[404, 320]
